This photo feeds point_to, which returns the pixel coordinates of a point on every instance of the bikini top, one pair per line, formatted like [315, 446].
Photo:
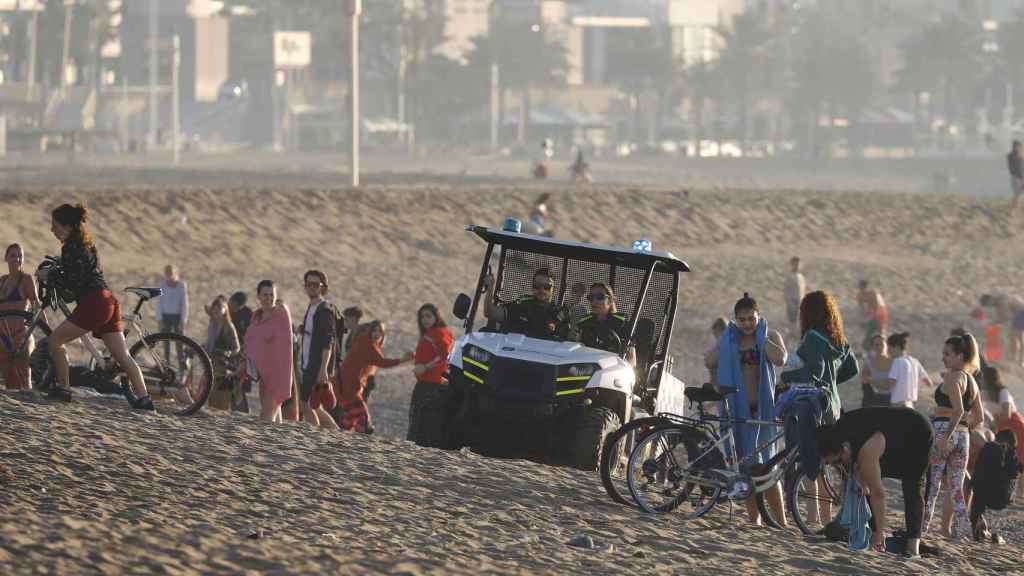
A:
[14, 295]
[942, 399]
[750, 357]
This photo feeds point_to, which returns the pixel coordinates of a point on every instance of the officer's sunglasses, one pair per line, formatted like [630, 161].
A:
[546, 286]
[597, 296]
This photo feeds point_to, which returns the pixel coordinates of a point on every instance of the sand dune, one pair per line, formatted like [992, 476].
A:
[186, 497]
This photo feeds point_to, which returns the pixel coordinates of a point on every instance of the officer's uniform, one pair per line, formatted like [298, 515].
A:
[532, 317]
[594, 332]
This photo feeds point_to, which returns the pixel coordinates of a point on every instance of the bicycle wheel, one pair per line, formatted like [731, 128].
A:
[178, 379]
[813, 504]
[769, 516]
[673, 466]
[14, 328]
[615, 455]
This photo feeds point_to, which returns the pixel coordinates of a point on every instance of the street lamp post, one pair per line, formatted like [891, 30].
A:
[354, 9]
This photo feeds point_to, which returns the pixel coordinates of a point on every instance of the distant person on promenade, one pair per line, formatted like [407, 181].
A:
[268, 347]
[431, 365]
[537, 223]
[316, 348]
[1015, 164]
[17, 292]
[241, 314]
[362, 360]
[793, 291]
[873, 311]
[906, 374]
[172, 308]
[874, 378]
[223, 346]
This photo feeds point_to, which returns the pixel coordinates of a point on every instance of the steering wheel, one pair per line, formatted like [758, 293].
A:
[605, 339]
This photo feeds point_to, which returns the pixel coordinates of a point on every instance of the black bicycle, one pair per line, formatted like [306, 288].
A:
[179, 384]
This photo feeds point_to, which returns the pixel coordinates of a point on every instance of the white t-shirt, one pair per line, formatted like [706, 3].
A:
[908, 374]
[307, 333]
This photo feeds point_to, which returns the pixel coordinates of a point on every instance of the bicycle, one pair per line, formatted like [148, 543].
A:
[180, 391]
[688, 461]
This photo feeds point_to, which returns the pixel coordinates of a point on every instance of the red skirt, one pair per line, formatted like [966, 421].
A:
[98, 312]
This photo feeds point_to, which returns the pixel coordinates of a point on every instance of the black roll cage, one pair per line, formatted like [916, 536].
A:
[650, 262]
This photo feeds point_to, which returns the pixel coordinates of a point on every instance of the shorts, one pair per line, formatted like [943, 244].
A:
[310, 377]
[98, 312]
[1016, 186]
[1018, 322]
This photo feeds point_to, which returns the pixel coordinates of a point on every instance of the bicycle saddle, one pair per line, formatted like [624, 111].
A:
[144, 293]
[707, 393]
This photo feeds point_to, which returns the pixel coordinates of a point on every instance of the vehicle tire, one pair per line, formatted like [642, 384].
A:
[181, 390]
[596, 424]
[12, 321]
[615, 455]
[812, 505]
[661, 462]
[430, 412]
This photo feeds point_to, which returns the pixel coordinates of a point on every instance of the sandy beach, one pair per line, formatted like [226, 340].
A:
[94, 488]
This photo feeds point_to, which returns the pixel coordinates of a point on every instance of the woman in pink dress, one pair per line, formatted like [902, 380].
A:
[268, 345]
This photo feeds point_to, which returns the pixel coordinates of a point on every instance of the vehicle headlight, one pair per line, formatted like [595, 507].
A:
[578, 371]
[478, 354]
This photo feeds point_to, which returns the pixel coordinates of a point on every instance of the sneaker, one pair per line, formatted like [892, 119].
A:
[59, 393]
[144, 403]
[996, 538]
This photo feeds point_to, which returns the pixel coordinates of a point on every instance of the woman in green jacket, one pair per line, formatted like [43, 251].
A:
[824, 351]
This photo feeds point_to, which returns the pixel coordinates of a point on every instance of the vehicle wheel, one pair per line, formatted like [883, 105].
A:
[812, 505]
[429, 415]
[596, 424]
[676, 465]
[177, 386]
[615, 455]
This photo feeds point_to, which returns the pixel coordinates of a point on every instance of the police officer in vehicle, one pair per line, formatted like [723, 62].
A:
[604, 328]
[536, 316]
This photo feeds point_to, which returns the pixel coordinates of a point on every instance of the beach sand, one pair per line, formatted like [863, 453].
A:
[92, 487]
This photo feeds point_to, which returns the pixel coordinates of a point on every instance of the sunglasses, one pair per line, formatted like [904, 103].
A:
[314, 284]
[543, 286]
[597, 297]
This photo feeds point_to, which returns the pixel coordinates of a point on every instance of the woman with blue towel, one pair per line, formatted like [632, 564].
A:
[745, 359]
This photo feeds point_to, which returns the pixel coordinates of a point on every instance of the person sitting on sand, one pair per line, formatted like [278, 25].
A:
[17, 292]
[745, 359]
[536, 316]
[268, 346]
[874, 380]
[222, 345]
[883, 443]
[906, 374]
[604, 328]
[361, 361]
[431, 365]
[97, 310]
[957, 410]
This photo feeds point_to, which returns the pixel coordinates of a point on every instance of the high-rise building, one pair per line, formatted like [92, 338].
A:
[464, 20]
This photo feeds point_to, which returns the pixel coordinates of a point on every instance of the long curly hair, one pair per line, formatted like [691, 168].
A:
[819, 311]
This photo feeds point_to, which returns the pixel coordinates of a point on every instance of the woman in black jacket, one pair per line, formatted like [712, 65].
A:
[80, 275]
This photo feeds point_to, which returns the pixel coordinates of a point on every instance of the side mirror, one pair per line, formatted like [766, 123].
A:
[461, 308]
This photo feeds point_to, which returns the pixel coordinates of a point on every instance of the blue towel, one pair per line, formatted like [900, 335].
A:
[855, 515]
[730, 375]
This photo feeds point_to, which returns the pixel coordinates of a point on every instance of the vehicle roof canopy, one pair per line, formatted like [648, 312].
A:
[613, 255]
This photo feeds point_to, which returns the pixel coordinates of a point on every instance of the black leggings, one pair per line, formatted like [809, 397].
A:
[913, 476]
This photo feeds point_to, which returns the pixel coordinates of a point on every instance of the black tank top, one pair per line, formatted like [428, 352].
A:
[942, 399]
